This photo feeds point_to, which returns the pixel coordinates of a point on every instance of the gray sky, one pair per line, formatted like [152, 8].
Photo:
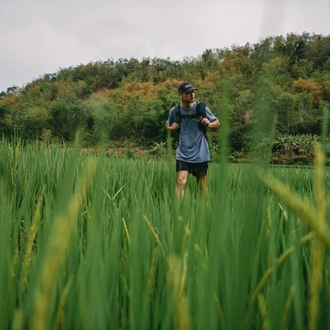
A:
[42, 36]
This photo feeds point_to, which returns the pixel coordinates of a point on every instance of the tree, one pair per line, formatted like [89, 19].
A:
[241, 109]
[36, 119]
[133, 96]
[98, 120]
[302, 69]
[62, 119]
[311, 87]
[285, 108]
[5, 122]
[277, 70]
[303, 104]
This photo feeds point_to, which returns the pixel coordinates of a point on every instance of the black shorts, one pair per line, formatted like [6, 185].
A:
[196, 169]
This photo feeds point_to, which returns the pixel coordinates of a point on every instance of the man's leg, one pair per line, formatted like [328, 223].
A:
[181, 180]
[201, 182]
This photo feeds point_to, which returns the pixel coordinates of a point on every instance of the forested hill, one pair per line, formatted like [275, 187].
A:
[129, 99]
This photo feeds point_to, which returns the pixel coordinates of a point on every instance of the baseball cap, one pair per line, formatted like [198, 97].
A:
[186, 87]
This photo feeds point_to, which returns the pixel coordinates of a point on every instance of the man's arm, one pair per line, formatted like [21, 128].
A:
[173, 127]
[211, 124]
[214, 123]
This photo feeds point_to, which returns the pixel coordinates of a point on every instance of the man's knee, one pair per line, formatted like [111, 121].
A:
[201, 181]
[181, 181]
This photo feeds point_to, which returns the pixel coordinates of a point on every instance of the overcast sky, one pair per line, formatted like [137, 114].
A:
[42, 36]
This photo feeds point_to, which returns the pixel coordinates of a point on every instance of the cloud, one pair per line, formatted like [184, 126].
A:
[39, 37]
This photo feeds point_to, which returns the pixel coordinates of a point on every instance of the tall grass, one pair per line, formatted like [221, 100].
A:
[99, 242]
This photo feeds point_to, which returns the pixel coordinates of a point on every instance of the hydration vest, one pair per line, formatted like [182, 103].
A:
[200, 114]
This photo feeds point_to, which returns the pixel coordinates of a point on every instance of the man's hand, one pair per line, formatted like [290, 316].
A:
[205, 122]
[173, 127]
[209, 124]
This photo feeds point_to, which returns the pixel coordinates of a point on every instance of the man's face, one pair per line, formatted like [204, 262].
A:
[187, 98]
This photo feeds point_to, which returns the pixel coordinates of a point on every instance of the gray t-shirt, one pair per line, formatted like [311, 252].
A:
[193, 146]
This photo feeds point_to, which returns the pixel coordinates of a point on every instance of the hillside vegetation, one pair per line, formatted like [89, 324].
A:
[287, 78]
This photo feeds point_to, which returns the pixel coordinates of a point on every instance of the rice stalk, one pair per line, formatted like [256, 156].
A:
[279, 261]
[198, 253]
[13, 263]
[60, 319]
[263, 312]
[126, 230]
[177, 282]
[269, 222]
[184, 273]
[318, 245]
[13, 275]
[58, 245]
[18, 320]
[31, 238]
[152, 273]
[115, 195]
[14, 162]
[219, 310]
[186, 233]
[285, 213]
[287, 308]
[157, 239]
[303, 208]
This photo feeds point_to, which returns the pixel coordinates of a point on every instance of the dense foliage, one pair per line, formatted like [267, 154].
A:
[128, 100]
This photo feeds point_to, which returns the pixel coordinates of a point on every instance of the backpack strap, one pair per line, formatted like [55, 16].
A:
[200, 114]
[201, 109]
[177, 114]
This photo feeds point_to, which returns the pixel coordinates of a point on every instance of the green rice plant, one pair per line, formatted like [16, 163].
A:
[95, 241]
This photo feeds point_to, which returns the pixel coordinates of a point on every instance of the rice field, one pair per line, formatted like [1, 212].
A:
[99, 242]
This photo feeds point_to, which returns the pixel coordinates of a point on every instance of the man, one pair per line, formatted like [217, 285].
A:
[193, 154]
